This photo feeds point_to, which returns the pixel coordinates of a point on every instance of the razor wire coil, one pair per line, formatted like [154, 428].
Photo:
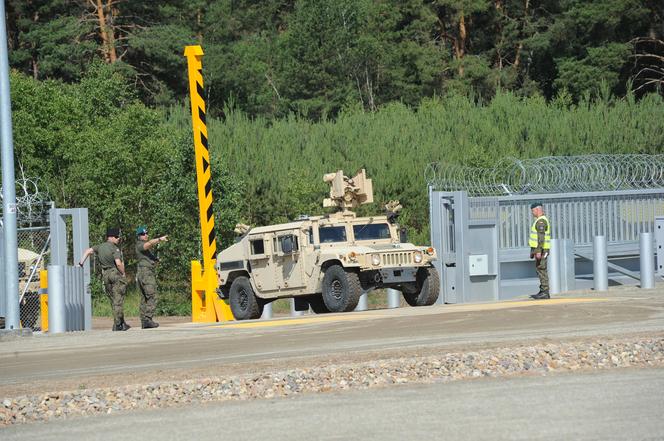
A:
[551, 174]
[32, 205]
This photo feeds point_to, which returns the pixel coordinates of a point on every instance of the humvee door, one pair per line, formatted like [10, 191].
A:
[289, 260]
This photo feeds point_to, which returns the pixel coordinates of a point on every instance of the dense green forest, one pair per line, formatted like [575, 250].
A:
[316, 57]
[298, 89]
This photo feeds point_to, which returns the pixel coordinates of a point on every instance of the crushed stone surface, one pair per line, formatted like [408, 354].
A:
[436, 366]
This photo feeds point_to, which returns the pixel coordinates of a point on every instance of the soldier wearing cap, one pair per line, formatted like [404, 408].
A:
[113, 274]
[145, 275]
[540, 244]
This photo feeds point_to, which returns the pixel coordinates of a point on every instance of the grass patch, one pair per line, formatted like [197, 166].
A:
[174, 300]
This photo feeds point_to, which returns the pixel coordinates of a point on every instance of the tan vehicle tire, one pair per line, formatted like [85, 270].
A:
[341, 289]
[425, 290]
[244, 304]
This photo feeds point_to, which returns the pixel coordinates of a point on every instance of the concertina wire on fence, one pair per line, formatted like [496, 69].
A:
[551, 174]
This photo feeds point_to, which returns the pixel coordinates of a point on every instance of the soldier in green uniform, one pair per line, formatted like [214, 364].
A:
[540, 244]
[113, 274]
[145, 276]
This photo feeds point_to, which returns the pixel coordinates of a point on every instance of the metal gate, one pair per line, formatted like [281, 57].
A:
[52, 245]
[620, 216]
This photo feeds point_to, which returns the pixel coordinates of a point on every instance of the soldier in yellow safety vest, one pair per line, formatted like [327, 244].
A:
[540, 244]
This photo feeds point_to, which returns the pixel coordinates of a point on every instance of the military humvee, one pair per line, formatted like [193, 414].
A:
[326, 262]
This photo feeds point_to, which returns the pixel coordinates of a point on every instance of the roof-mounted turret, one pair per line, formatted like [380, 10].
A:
[348, 193]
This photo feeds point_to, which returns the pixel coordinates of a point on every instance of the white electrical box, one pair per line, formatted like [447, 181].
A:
[478, 265]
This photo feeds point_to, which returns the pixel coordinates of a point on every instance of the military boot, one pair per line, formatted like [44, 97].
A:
[149, 324]
[542, 295]
[121, 326]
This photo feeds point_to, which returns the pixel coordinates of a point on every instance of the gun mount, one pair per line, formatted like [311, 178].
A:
[348, 193]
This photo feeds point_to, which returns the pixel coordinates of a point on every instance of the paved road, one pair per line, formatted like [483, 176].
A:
[604, 405]
[80, 359]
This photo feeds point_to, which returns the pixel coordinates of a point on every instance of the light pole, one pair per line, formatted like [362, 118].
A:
[8, 184]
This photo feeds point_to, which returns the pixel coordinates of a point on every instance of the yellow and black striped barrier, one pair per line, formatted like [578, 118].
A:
[206, 306]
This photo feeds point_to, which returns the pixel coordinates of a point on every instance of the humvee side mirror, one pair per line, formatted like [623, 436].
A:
[287, 244]
[403, 235]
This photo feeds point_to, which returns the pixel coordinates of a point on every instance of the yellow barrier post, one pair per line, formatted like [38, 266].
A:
[205, 303]
[43, 299]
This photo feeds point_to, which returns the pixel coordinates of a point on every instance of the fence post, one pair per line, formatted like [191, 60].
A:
[600, 264]
[393, 298]
[646, 262]
[659, 240]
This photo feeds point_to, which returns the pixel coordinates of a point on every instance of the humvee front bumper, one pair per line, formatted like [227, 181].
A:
[394, 260]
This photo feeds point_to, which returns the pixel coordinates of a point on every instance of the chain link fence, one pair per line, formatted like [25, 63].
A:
[33, 247]
[33, 240]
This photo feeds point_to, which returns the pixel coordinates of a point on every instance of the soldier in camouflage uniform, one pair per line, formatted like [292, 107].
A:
[145, 275]
[113, 274]
[540, 244]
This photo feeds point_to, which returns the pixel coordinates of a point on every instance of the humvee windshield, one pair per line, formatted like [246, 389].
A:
[332, 234]
[371, 231]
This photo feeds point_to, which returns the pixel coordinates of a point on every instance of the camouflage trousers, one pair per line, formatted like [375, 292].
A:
[115, 285]
[147, 284]
[542, 273]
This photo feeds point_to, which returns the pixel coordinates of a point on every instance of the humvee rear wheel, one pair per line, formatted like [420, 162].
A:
[244, 304]
[341, 289]
[425, 290]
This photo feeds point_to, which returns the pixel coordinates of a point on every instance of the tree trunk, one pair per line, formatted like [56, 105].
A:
[106, 33]
[517, 57]
[35, 60]
[35, 68]
[461, 46]
[199, 20]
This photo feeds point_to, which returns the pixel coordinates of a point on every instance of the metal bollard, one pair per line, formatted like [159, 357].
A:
[363, 304]
[553, 266]
[600, 264]
[57, 318]
[646, 262]
[267, 312]
[393, 298]
[567, 269]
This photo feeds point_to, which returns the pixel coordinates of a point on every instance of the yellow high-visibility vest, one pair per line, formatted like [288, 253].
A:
[547, 234]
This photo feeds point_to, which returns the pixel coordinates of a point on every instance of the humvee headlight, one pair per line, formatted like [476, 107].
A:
[417, 257]
[375, 259]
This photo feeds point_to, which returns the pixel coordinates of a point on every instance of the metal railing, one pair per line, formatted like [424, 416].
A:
[619, 215]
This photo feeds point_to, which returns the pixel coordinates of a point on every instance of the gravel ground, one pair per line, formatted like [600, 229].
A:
[539, 359]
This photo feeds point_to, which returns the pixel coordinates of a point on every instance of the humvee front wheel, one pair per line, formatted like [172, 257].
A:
[341, 289]
[425, 290]
[318, 304]
[244, 304]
